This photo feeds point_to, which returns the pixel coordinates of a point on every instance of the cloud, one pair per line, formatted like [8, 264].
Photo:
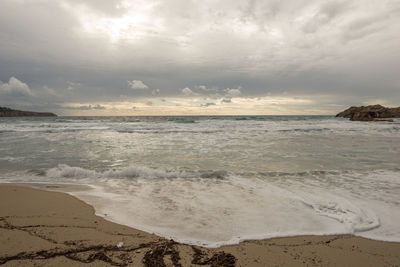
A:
[233, 92]
[226, 100]
[208, 104]
[97, 107]
[326, 14]
[48, 90]
[85, 107]
[137, 84]
[155, 92]
[187, 91]
[345, 49]
[15, 87]
[72, 85]
[207, 89]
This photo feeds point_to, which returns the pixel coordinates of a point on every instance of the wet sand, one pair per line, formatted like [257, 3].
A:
[47, 228]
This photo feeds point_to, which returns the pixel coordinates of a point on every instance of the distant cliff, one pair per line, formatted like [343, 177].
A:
[370, 113]
[7, 112]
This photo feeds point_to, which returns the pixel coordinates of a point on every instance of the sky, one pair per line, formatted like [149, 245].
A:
[185, 57]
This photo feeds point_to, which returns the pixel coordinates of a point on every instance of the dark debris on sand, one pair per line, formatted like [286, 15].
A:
[155, 256]
[221, 259]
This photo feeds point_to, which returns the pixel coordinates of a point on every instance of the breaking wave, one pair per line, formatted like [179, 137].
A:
[66, 171]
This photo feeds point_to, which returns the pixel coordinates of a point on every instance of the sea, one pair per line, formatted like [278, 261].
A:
[217, 180]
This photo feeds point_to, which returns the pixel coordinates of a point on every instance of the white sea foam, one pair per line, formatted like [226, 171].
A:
[65, 171]
[12, 159]
[211, 211]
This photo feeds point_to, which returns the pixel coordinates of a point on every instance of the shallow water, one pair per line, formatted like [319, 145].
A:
[218, 180]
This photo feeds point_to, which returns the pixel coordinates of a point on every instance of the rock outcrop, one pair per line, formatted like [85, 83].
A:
[370, 113]
[7, 112]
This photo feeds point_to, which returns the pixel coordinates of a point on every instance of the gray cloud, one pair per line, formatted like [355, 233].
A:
[137, 84]
[86, 51]
[187, 91]
[208, 104]
[226, 100]
[233, 91]
[90, 107]
[81, 107]
[15, 87]
[155, 92]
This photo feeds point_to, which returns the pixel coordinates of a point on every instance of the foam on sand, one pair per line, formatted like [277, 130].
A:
[218, 208]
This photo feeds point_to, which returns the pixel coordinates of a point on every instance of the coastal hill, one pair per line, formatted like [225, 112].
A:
[370, 113]
[7, 112]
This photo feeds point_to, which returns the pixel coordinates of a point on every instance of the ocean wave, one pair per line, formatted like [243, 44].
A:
[131, 172]
[181, 120]
[256, 126]
[306, 130]
[12, 159]
[140, 131]
[52, 130]
[66, 171]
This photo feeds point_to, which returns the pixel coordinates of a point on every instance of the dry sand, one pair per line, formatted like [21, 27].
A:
[43, 228]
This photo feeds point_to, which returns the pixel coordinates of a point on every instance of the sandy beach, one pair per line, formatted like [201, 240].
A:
[46, 228]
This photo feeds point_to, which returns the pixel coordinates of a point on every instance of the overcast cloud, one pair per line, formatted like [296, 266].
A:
[105, 57]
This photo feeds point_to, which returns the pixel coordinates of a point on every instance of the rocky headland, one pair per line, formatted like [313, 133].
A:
[370, 113]
[8, 112]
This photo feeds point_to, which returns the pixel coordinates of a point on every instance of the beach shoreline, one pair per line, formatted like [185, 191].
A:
[54, 228]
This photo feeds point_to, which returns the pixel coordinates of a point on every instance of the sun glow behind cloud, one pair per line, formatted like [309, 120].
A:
[140, 20]
[136, 21]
